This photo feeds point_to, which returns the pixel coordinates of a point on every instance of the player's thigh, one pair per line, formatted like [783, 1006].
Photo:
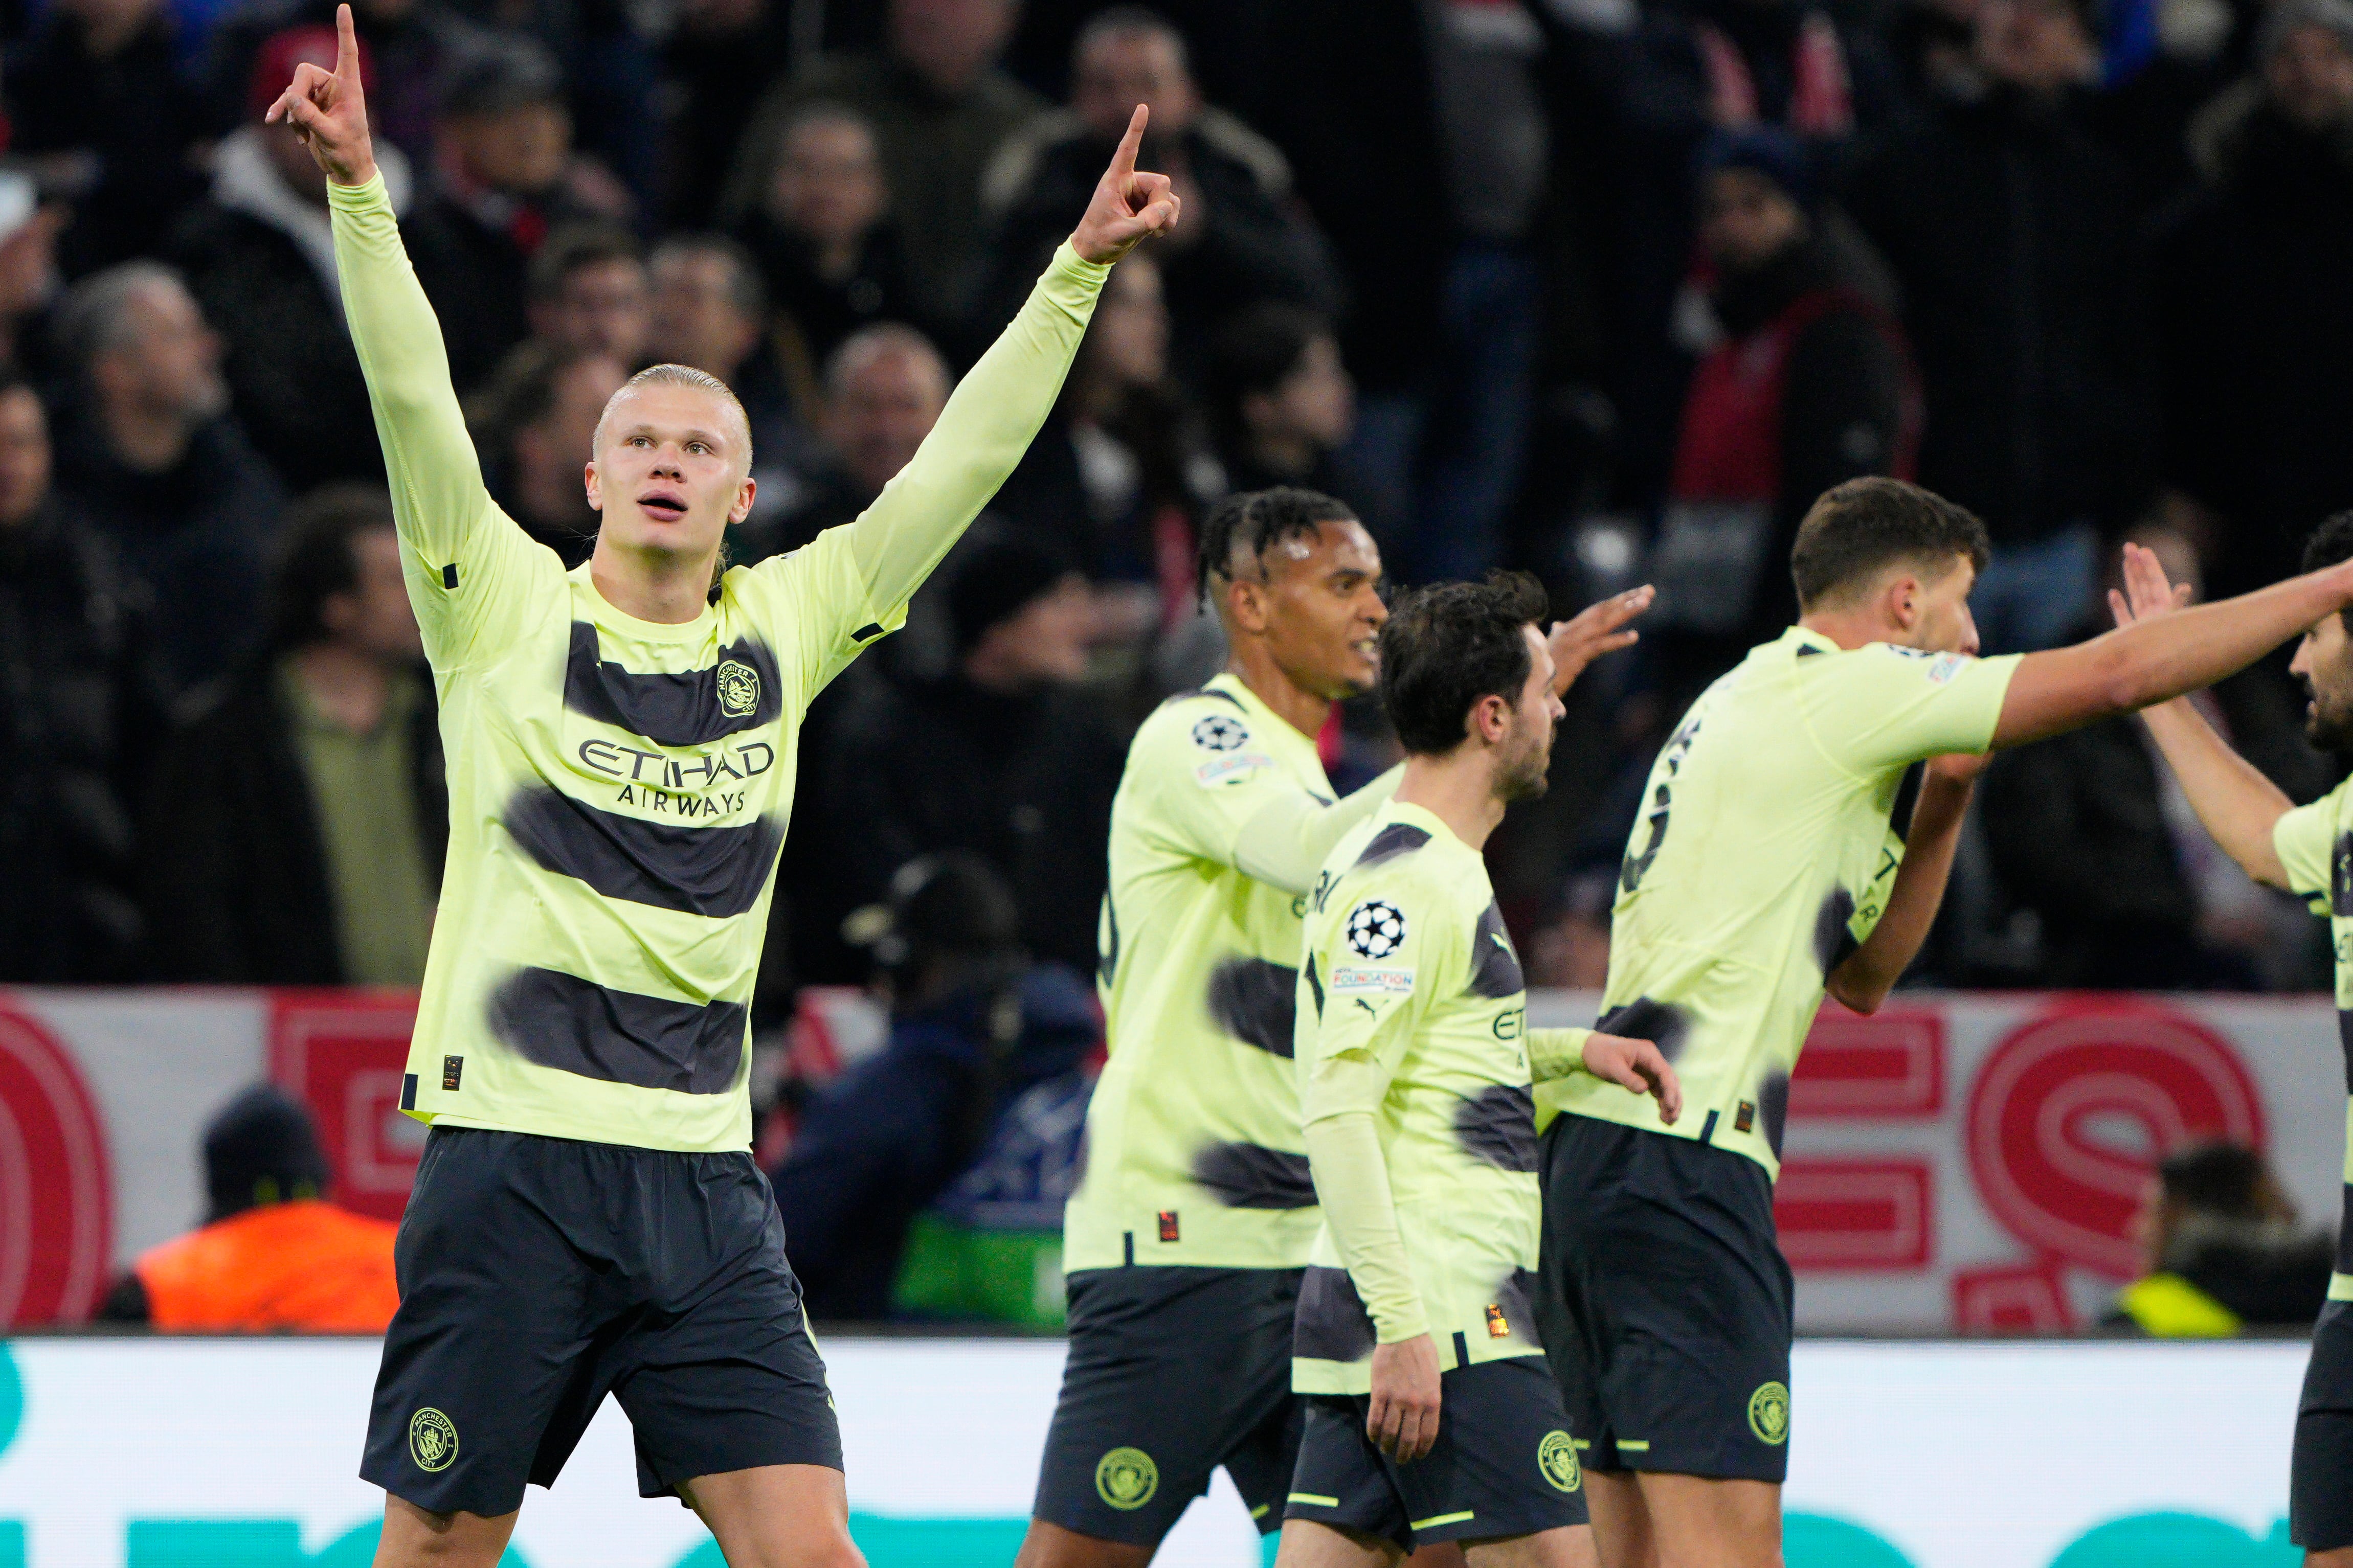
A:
[776, 1516]
[412, 1537]
[493, 1336]
[1309, 1544]
[2320, 1482]
[1621, 1525]
[1170, 1374]
[1050, 1545]
[1564, 1548]
[1707, 1522]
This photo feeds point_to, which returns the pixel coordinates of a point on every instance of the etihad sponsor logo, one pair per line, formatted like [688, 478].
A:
[675, 772]
[1369, 979]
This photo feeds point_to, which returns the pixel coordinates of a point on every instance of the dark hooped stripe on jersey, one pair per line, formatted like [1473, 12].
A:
[1204, 691]
[1398, 838]
[867, 631]
[1314, 984]
[1499, 1125]
[713, 871]
[1662, 1023]
[1832, 941]
[2344, 1234]
[2341, 876]
[1907, 795]
[1331, 1323]
[2345, 1044]
[689, 710]
[1773, 1104]
[618, 1036]
[1495, 972]
[1252, 1176]
[1255, 1002]
[1107, 960]
[1515, 1293]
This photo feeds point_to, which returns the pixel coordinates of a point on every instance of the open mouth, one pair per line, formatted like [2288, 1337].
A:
[666, 506]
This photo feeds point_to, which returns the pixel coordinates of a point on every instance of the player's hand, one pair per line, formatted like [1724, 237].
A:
[1403, 1420]
[1127, 208]
[329, 112]
[2147, 593]
[1637, 1065]
[1597, 630]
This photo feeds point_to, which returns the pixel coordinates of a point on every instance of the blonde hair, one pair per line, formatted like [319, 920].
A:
[684, 375]
[702, 381]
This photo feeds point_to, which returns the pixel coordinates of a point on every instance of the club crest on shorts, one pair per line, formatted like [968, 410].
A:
[432, 1439]
[1376, 928]
[1127, 1479]
[1219, 733]
[739, 688]
[1768, 1412]
[1557, 1457]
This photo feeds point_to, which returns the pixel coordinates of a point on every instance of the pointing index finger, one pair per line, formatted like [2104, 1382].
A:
[347, 48]
[1124, 160]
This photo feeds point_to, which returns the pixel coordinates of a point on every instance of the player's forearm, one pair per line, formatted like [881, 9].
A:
[1352, 1184]
[435, 477]
[1868, 974]
[2165, 657]
[1284, 845]
[1555, 1053]
[987, 424]
[2234, 802]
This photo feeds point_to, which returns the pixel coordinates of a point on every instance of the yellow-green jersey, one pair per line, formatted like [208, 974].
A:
[1193, 1152]
[1771, 828]
[618, 789]
[2315, 844]
[1412, 1008]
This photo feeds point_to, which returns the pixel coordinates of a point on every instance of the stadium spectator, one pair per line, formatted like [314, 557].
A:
[972, 1027]
[716, 65]
[2129, 892]
[1122, 471]
[29, 226]
[260, 261]
[149, 455]
[505, 176]
[1006, 755]
[1807, 385]
[1487, 70]
[2224, 1251]
[410, 43]
[274, 1255]
[299, 817]
[588, 293]
[709, 312]
[1246, 239]
[2254, 310]
[529, 425]
[822, 233]
[885, 388]
[80, 706]
[2013, 234]
[1280, 400]
[940, 107]
[97, 104]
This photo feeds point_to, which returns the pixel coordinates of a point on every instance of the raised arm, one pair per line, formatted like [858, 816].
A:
[2234, 802]
[2154, 660]
[459, 544]
[996, 409]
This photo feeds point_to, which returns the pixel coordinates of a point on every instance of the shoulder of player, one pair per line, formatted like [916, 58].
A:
[1398, 862]
[1205, 728]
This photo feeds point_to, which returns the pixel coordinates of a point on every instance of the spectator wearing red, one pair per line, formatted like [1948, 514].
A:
[273, 1255]
[1806, 384]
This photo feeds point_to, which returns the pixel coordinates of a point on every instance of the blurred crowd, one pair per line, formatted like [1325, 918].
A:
[1605, 289]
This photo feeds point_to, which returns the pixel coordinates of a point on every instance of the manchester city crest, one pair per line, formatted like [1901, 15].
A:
[432, 1439]
[739, 688]
[1127, 1479]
